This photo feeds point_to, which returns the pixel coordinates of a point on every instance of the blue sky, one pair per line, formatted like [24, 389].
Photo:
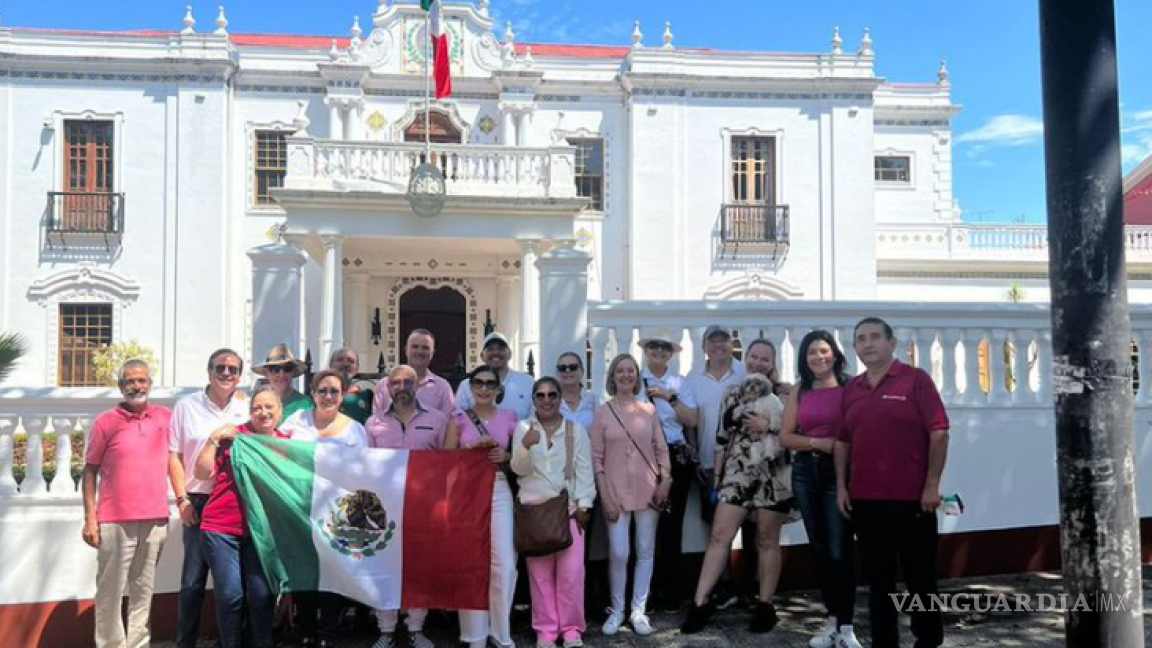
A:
[992, 48]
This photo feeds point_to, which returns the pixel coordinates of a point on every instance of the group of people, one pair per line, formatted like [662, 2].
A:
[857, 458]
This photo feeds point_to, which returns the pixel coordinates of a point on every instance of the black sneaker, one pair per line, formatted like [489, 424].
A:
[698, 617]
[764, 618]
[723, 597]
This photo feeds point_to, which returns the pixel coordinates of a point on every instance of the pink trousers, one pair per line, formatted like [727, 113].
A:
[558, 591]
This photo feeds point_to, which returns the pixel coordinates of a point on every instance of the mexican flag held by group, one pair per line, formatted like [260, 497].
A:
[441, 67]
[393, 529]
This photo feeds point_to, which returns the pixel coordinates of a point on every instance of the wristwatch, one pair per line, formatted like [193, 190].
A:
[180, 501]
[673, 399]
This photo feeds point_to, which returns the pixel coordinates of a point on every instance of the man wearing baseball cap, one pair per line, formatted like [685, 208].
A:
[515, 387]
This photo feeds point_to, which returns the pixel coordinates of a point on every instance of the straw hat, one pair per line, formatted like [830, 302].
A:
[280, 355]
[666, 339]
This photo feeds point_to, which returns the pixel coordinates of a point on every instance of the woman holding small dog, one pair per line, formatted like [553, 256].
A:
[633, 478]
[811, 420]
[753, 475]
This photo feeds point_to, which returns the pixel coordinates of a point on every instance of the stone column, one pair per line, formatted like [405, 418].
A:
[564, 323]
[358, 312]
[529, 304]
[277, 292]
[332, 313]
[507, 317]
[523, 121]
[335, 123]
[508, 129]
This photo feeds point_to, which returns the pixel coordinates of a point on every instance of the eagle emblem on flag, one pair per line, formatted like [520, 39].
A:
[357, 525]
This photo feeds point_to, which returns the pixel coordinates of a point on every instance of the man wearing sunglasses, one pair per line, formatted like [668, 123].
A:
[194, 418]
[516, 387]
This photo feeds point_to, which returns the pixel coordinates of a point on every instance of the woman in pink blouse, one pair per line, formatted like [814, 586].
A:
[633, 478]
[484, 425]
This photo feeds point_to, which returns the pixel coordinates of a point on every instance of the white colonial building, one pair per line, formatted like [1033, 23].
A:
[147, 177]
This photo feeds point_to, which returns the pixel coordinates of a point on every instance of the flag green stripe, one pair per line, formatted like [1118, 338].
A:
[275, 482]
[426, 4]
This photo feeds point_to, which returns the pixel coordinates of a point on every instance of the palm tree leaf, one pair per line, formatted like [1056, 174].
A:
[13, 346]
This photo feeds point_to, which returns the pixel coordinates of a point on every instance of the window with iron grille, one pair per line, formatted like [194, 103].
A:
[590, 170]
[88, 156]
[754, 170]
[893, 168]
[84, 329]
[271, 165]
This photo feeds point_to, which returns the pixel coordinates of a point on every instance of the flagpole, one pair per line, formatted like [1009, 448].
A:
[427, 84]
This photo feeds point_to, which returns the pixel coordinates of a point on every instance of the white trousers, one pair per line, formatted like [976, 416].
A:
[618, 550]
[127, 559]
[386, 620]
[477, 625]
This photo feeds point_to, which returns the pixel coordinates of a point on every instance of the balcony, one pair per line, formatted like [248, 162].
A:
[469, 169]
[1009, 243]
[760, 228]
[78, 216]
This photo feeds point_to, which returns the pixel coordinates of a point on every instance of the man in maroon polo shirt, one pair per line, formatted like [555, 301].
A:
[890, 455]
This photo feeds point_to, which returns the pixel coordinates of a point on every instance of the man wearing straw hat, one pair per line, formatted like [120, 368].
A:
[281, 368]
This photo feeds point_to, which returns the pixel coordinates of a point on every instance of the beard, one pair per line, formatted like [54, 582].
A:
[404, 397]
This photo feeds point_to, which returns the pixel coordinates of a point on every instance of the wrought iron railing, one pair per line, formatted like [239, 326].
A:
[74, 212]
[754, 223]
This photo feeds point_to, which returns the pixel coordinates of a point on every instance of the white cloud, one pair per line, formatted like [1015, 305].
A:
[1135, 137]
[1004, 130]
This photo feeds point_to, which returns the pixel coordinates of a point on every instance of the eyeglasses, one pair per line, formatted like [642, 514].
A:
[568, 367]
[226, 370]
[546, 396]
[331, 391]
[485, 384]
[275, 369]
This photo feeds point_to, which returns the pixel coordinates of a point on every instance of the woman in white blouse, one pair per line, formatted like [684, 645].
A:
[323, 424]
[577, 404]
[539, 458]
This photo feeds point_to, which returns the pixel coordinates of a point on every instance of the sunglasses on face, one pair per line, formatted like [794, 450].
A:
[486, 384]
[276, 369]
[330, 391]
[568, 367]
[226, 370]
[546, 396]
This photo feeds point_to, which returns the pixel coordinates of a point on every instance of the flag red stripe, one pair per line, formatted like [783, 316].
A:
[441, 66]
[447, 523]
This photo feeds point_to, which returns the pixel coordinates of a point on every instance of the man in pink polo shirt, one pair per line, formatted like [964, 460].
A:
[890, 455]
[405, 425]
[127, 519]
[433, 391]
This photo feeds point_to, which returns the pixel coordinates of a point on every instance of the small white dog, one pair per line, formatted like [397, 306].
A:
[755, 397]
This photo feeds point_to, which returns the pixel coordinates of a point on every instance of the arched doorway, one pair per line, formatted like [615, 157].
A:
[440, 128]
[444, 312]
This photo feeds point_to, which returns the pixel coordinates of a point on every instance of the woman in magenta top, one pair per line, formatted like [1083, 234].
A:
[633, 478]
[812, 419]
[485, 425]
[228, 546]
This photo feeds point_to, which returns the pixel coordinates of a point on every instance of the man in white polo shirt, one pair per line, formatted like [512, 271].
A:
[194, 418]
[516, 386]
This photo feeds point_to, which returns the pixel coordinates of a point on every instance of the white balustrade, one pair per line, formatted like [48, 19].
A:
[62, 484]
[985, 241]
[8, 424]
[469, 169]
[34, 427]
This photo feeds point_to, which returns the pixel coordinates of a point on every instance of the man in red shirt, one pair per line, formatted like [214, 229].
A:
[890, 455]
[128, 452]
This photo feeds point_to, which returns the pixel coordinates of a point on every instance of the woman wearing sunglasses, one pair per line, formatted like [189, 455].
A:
[281, 368]
[324, 423]
[577, 404]
[633, 477]
[484, 425]
[540, 458]
[228, 547]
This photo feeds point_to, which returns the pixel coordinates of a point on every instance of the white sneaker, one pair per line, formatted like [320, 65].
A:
[612, 623]
[641, 625]
[826, 637]
[846, 638]
[386, 640]
[574, 643]
[545, 644]
[421, 640]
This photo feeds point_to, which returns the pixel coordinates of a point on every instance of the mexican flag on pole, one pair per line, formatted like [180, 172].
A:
[390, 528]
[441, 68]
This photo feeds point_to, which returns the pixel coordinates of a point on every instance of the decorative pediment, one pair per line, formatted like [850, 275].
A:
[83, 281]
[753, 286]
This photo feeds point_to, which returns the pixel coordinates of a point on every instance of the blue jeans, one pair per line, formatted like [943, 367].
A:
[829, 534]
[193, 580]
[238, 576]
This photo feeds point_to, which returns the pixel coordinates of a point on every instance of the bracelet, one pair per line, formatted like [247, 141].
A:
[214, 442]
[673, 399]
[180, 501]
[812, 444]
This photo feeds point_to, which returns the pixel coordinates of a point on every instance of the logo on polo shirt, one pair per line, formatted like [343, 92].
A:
[895, 397]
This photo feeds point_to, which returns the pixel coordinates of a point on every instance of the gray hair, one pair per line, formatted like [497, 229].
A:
[132, 364]
[337, 352]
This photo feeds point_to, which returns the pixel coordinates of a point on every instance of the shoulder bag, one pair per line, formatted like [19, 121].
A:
[542, 529]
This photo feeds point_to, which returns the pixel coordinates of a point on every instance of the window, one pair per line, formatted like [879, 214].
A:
[754, 170]
[893, 168]
[84, 329]
[86, 202]
[271, 165]
[590, 170]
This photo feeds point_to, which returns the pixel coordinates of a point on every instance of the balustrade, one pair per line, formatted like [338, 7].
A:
[965, 240]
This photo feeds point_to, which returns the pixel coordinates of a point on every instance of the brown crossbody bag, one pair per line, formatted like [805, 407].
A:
[542, 529]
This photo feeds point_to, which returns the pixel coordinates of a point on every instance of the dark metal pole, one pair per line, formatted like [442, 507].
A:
[1092, 365]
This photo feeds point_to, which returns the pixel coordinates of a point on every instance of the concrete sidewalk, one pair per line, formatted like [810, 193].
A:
[801, 616]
